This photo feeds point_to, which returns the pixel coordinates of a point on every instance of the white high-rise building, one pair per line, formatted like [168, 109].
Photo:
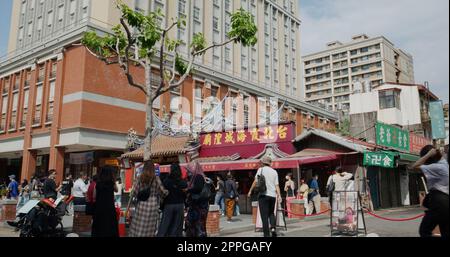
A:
[330, 76]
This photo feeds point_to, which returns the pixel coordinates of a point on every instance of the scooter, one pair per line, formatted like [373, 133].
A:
[41, 218]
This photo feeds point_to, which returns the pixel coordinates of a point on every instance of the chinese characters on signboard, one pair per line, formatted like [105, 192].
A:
[381, 159]
[394, 137]
[269, 134]
[418, 142]
[437, 120]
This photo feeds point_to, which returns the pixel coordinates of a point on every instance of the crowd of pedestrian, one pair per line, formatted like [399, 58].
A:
[179, 205]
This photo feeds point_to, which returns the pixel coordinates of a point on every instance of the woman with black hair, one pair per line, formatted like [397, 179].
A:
[435, 168]
[105, 223]
[173, 205]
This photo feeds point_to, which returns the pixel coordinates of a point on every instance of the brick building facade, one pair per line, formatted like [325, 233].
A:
[70, 102]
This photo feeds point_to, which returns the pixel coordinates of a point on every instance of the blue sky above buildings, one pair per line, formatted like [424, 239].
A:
[419, 27]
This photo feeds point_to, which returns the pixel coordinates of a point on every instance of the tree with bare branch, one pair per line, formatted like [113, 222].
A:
[135, 41]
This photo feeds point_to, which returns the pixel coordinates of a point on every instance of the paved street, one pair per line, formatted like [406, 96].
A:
[312, 227]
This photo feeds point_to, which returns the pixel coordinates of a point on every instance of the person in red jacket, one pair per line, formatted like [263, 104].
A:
[90, 196]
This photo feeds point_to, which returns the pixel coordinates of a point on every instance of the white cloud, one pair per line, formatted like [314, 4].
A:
[419, 27]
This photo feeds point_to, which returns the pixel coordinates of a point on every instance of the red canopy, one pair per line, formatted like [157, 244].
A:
[285, 163]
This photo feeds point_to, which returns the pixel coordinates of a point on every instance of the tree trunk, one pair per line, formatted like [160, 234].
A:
[149, 115]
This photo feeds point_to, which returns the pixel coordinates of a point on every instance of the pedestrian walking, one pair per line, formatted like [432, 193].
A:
[267, 185]
[435, 169]
[118, 194]
[303, 192]
[230, 197]
[79, 190]
[90, 195]
[13, 188]
[50, 189]
[24, 195]
[147, 190]
[197, 202]
[67, 185]
[289, 189]
[105, 221]
[314, 197]
[220, 192]
[237, 208]
[173, 204]
[35, 188]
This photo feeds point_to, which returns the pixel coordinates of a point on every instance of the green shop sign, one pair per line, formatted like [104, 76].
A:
[437, 120]
[393, 137]
[380, 159]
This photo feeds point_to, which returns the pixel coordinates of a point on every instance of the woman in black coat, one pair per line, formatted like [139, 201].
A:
[105, 222]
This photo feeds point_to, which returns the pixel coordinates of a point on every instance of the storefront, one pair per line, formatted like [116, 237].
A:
[391, 182]
[166, 150]
[89, 163]
[349, 155]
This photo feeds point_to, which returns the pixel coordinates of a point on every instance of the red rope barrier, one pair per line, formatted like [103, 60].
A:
[395, 220]
[305, 215]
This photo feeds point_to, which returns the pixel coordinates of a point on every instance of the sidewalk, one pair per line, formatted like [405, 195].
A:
[243, 223]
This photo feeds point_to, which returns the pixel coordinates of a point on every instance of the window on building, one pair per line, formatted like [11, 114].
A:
[389, 99]
[51, 101]
[198, 102]
[13, 120]
[26, 96]
[38, 110]
[4, 112]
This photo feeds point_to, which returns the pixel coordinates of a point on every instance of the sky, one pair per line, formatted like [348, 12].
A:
[419, 27]
[5, 16]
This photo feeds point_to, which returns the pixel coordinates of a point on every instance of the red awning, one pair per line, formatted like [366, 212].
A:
[316, 159]
[285, 163]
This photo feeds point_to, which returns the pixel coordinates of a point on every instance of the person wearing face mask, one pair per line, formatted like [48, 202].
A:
[289, 188]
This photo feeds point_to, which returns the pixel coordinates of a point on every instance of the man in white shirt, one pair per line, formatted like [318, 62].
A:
[268, 199]
[79, 190]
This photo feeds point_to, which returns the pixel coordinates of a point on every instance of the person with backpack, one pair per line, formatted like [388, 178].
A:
[173, 205]
[267, 186]
[199, 192]
[147, 190]
[230, 197]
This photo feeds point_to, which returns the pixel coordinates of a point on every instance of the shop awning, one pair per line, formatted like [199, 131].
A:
[164, 146]
[254, 164]
[408, 157]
